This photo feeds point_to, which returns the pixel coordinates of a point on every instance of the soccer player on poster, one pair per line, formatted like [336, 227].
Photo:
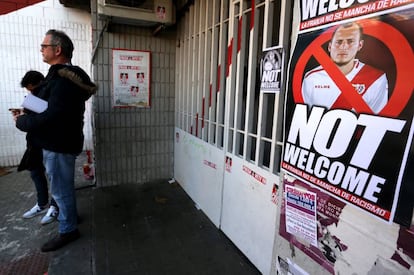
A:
[319, 89]
[336, 107]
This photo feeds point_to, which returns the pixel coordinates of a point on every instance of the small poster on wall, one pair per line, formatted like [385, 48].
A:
[131, 78]
[271, 70]
[300, 210]
[308, 221]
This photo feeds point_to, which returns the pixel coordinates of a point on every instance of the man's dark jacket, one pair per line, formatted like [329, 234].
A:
[60, 127]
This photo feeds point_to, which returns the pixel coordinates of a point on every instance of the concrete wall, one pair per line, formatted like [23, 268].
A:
[133, 145]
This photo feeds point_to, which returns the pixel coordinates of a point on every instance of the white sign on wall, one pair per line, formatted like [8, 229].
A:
[131, 78]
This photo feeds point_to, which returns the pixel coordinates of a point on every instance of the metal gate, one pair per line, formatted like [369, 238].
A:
[218, 102]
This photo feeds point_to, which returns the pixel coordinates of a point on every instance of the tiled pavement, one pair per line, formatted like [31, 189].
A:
[20, 238]
[151, 228]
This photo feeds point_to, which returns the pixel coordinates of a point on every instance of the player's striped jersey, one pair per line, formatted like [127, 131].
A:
[319, 89]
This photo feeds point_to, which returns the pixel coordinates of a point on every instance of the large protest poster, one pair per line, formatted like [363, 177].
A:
[349, 104]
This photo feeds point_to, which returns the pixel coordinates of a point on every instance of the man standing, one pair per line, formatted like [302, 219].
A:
[319, 89]
[59, 129]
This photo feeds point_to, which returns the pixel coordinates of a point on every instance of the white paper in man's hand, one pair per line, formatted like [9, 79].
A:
[34, 103]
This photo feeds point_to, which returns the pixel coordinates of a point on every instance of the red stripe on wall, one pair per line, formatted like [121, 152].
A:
[252, 15]
[196, 131]
[203, 112]
[229, 57]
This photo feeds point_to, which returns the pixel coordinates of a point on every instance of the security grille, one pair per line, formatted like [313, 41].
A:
[218, 99]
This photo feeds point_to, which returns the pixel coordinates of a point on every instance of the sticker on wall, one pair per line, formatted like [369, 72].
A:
[131, 79]
[349, 105]
[271, 70]
[160, 12]
[229, 164]
[210, 164]
[274, 193]
[255, 175]
[288, 267]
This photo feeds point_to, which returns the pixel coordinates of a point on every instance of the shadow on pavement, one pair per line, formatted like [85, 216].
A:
[151, 228]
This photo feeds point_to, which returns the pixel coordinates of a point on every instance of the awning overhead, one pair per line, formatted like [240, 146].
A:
[7, 6]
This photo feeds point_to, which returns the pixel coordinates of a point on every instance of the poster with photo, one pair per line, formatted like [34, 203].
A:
[349, 105]
[131, 78]
[271, 70]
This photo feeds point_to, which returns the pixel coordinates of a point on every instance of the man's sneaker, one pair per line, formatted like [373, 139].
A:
[36, 210]
[60, 240]
[50, 216]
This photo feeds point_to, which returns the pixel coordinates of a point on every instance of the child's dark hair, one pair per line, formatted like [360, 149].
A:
[32, 77]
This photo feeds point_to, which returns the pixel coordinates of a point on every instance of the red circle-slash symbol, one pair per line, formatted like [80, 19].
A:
[398, 46]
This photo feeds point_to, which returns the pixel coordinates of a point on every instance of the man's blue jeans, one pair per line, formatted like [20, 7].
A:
[60, 169]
